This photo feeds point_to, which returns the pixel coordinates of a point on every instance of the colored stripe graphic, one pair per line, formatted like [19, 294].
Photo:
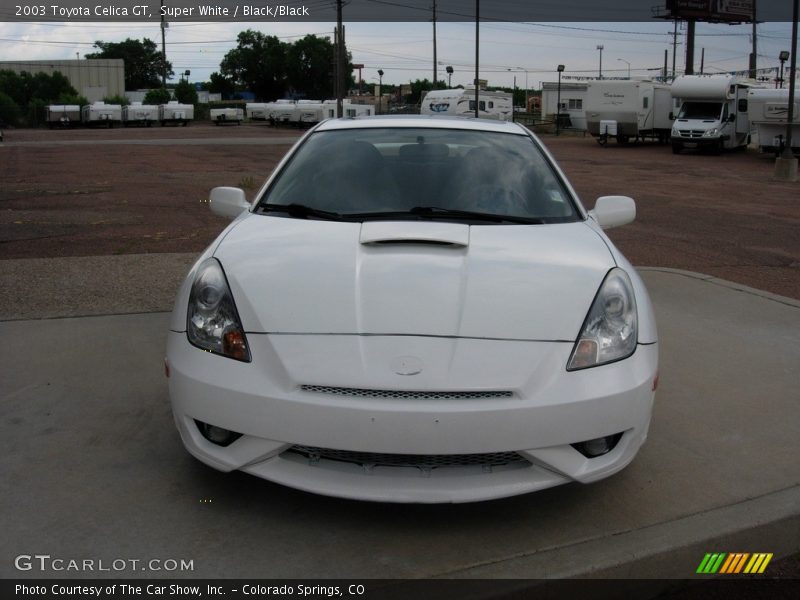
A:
[734, 563]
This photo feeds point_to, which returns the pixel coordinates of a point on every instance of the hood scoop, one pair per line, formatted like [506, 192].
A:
[414, 232]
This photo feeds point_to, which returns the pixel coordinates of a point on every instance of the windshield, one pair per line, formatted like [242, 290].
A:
[704, 111]
[419, 173]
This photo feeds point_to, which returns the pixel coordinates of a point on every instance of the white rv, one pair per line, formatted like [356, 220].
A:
[628, 110]
[227, 115]
[101, 113]
[175, 112]
[283, 111]
[769, 114]
[63, 115]
[257, 111]
[139, 114]
[458, 102]
[713, 112]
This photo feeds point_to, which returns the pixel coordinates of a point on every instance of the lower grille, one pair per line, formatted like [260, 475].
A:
[404, 394]
[420, 461]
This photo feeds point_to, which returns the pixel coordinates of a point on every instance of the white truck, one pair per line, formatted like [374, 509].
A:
[769, 114]
[100, 113]
[221, 116]
[175, 112]
[63, 115]
[713, 112]
[461, 102]
[139, 114]
[628, 110]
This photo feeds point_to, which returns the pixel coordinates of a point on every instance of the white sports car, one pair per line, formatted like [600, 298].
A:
[414, 309]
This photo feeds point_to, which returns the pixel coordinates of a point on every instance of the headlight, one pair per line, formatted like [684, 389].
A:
[609, 332]
[711, 132]
[212, 322]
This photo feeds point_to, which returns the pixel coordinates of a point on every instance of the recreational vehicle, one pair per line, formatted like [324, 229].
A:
[63, 115]
[227, 115]
[139, 114]
[461, 102]
[769, 114]
[175, 112]
[257, 111]
[628, 110]
[101, 113]
[713, 112]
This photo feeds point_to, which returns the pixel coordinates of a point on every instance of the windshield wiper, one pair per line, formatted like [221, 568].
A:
[438, 211]
[302, 211]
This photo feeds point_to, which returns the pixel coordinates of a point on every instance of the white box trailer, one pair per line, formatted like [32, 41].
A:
[257, 111]
[628, 110]
[713, 112]
[100, 113]
[461, 102]
[63, 115]
[283, 112]
[769, 114]
[222, 116]
[175, 112]
[139, 114]
[309, 112]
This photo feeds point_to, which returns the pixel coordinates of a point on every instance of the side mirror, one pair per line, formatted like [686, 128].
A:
[228, 202]
[613, 211]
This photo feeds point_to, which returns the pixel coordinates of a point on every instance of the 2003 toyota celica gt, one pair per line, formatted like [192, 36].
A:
[414, 310]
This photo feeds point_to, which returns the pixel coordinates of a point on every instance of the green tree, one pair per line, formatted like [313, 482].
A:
[309, 67]
[9, 111]
[144, 63]
[258, 64]
[423, 85]
[157, 96]
[185, 92]
[219, 84]
[121, 100]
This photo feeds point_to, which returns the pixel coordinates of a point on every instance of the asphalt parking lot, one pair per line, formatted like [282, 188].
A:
[94, 467]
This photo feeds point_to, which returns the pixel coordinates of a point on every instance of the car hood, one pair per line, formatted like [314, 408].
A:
[517, 282]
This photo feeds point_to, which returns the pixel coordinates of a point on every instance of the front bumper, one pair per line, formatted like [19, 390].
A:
[547, 409]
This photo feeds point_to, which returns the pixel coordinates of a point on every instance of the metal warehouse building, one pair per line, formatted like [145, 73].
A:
[93, 78]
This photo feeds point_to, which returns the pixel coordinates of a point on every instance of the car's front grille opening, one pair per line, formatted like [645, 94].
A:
[425, 462]
[405, 394]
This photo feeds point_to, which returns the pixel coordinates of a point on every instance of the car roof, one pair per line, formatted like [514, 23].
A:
[423, 122]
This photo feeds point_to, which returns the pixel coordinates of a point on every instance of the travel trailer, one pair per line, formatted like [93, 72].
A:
[769, 114]
[63, 115]
[139, 114]
[713, 112]
[628, 110]
[99, 113]
[461, 102]
[227, 115]
[175, 112]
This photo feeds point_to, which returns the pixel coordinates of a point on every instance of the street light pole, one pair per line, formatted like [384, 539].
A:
[380, 91]
[629, 66]
[783, 57]
[600, 47]
[560, 70]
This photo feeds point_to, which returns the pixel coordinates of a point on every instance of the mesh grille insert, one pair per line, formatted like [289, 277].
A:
[420, 461]
[405, 395]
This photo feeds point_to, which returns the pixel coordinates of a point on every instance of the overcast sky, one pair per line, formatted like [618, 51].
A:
[404, 50]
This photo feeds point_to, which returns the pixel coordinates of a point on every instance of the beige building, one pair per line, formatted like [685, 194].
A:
[94, 78]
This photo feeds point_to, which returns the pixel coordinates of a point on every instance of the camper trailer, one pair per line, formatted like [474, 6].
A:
[257, 111]
[628, 110]
[175, 112]
[769, 114]
[139, 114]
[713, 112]
[309, 112]
[458, 102]
[283, 111]
[221, 116]
[100, 113]
[63, 115]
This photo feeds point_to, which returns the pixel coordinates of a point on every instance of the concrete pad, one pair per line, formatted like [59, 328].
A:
[93, 466]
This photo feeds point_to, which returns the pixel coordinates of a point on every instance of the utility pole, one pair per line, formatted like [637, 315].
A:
[477, 51]
[340, 69]
[163, 49]
[435, 73]
[674, 46]
[754, 55]
[689, 70]
[702, 59]
[600, 71]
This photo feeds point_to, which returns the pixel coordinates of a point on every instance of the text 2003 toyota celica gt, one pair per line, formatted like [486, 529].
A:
[414, 310]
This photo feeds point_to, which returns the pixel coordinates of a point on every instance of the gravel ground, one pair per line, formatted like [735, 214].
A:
[721, 215]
